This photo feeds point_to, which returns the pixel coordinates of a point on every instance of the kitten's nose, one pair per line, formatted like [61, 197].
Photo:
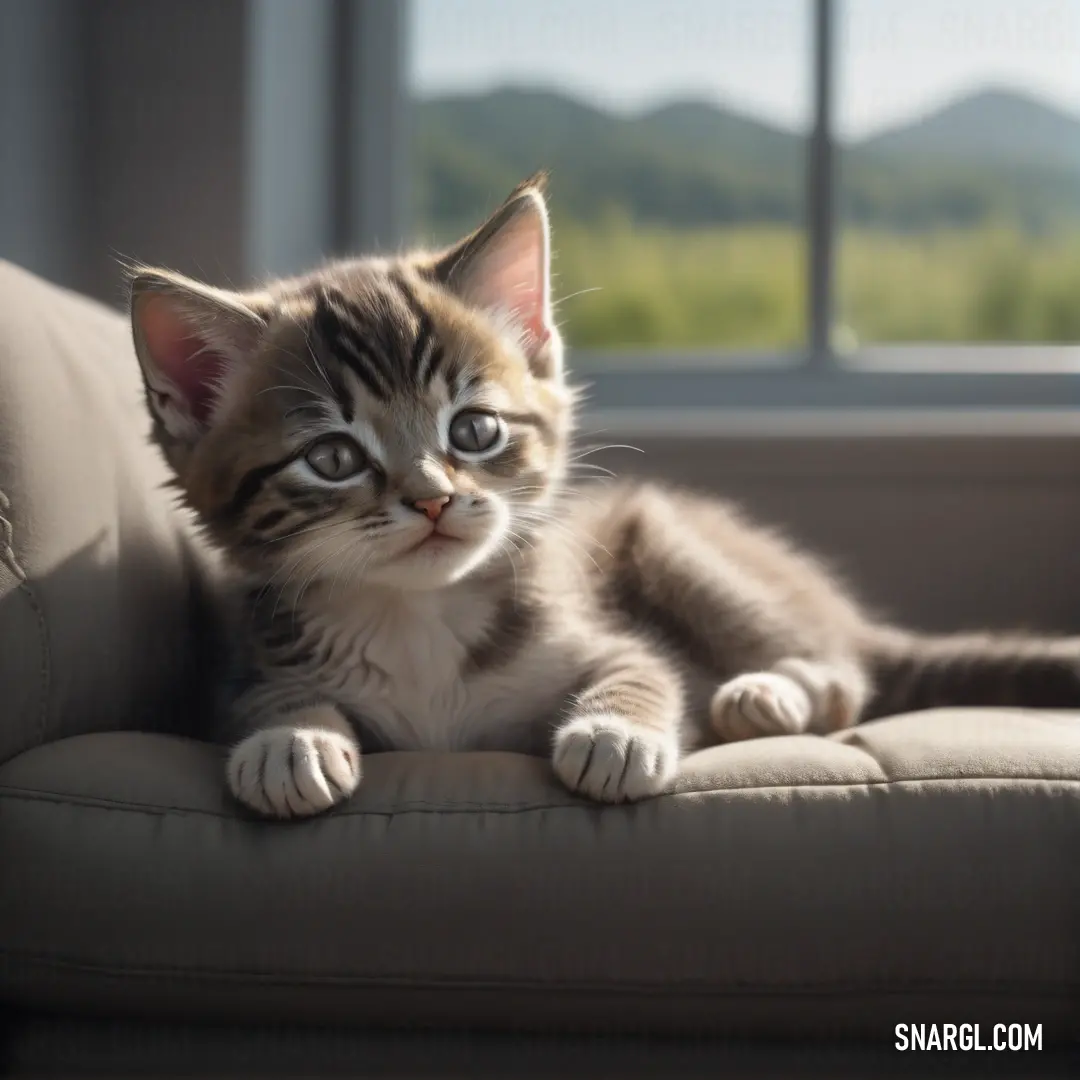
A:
[432, 507]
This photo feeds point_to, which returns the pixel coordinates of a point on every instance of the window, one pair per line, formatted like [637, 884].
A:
[675, 137]
[761, 183]
[758, 204]
[959, 179]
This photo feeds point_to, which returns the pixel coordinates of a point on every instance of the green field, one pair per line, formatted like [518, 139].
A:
[745, 287]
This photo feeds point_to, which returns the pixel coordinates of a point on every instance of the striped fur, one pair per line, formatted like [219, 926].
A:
[613, 629]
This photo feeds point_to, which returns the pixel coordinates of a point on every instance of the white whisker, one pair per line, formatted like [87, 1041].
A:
[593, 468]
[310, 529]
[581, 292]
[287, 386]
[587, 451]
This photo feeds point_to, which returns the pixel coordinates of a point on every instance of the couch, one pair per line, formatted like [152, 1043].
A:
[791, 897]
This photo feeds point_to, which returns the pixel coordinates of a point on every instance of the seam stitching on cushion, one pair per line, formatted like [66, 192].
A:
[92, 803]
[1055, 987]
[10, 559]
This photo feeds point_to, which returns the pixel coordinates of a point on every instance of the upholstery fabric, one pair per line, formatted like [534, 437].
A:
[921, 867]
[97, 577]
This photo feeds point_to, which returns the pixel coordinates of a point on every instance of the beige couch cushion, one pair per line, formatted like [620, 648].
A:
[919, 868]
[916, 869]
[95, 574]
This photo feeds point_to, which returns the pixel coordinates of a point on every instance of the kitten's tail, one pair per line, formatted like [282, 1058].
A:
[909, 672]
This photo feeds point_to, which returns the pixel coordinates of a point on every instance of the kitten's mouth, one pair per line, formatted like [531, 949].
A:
[434, 541]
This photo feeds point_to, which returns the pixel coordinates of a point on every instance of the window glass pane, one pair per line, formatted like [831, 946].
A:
[960, 170]
[675, 138]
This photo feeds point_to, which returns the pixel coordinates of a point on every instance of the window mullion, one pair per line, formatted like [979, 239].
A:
[375, 205]
[821, 192]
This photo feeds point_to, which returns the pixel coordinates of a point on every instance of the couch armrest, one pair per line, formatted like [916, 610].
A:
[97, 571]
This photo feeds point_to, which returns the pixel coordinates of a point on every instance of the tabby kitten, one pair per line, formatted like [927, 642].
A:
[380, 450]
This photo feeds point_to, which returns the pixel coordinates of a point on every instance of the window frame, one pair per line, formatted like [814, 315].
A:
[365, 81]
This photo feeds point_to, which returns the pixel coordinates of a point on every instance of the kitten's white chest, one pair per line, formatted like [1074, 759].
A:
[399, 666]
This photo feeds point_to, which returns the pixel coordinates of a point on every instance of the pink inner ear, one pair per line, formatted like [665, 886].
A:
[198, 376]
[538, 330]
[183, 357]
[527, 303]
[516, 280]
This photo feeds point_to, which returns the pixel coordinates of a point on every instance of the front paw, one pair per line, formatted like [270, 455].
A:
[294, 770]
[611, 759]
[760, 703]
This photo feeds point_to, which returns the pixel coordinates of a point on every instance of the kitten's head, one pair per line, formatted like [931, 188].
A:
[397, 421]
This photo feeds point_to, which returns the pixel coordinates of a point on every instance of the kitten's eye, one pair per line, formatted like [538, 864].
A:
[473, 431]
[336, 458]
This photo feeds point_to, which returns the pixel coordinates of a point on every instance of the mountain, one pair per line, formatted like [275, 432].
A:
[993, 127]
[694, 125]
[994, 155]
[678, 165]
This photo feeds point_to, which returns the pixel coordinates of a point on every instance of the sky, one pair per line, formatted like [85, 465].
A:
[896, 59]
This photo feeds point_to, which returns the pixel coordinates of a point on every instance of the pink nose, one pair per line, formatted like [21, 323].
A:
[432, 507]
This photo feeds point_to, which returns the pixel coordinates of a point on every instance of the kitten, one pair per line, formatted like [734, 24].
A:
[380, 451]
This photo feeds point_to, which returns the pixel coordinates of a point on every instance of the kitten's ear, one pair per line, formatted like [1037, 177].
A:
[505, 267]
[188, 337]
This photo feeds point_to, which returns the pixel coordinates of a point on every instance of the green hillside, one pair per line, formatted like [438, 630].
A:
[683, 227]
[993, 157]
[993, 128]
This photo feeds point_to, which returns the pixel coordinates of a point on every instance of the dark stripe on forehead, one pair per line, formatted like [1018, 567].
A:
[460, 381]
[429, 362]
[343, 334]
[341, 394]
[427, 352]
[372, 322]
[407, 293]
[361, 346]
[359, 363]
[332, 376]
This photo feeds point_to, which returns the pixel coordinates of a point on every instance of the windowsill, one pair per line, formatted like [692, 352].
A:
[857, 422]
[923, 357]
[896, 379]
[969, 359]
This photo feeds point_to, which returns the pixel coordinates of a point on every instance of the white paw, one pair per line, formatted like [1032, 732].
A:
[611, 759]
[760, 703]
[293, 771]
